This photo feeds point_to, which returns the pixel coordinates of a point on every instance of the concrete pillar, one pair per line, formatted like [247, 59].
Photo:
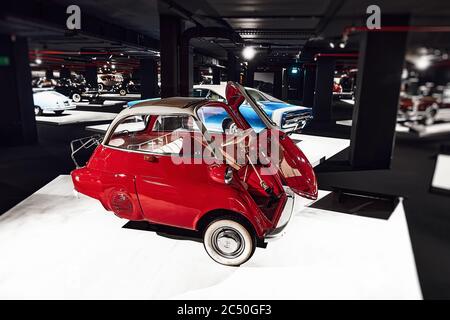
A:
[277, 83]
[380, 65]
[232, 67]
[64, 73]
[309, 83]
[91, 76]
[186, 70]
[170, 27]
[250, 75]
[284, 85]
[216, 75]
[149, 78]
[49, 73]
[17, 122]
[323, 96]
[197, 76]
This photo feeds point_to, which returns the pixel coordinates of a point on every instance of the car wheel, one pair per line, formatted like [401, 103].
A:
[122, 92]
[38, 111]
[100, 87]
[59, 112]
[76, 97]
[228, 242]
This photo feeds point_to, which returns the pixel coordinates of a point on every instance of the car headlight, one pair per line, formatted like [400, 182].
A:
[228, 175]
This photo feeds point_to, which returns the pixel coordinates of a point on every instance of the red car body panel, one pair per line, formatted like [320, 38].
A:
[140, 186]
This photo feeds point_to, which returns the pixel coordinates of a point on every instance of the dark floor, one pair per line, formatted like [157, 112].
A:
[26, 169]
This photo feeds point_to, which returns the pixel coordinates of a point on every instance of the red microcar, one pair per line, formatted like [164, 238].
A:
[165, 162]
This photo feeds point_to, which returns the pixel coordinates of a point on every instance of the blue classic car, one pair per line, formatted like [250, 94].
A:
[286, 116]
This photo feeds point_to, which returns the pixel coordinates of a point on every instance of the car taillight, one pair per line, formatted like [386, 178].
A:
[121, 203]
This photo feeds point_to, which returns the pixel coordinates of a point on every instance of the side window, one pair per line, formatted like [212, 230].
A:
[171, 123]
[128, 130]
[166, 136]
[216, 119]
[214, 96]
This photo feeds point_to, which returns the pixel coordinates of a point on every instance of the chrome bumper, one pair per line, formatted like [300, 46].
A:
[285, 217]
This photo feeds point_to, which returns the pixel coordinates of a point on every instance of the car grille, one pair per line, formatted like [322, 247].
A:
[291, 119]
[66, 103]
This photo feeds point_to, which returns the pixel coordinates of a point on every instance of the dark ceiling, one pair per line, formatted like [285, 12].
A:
[276, 27]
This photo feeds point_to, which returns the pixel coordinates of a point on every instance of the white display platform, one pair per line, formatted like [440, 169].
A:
[416, 130]
[349, 101]
[318, 149]
[441, 176]
[56, 246]
[75, 116]
[106, 103]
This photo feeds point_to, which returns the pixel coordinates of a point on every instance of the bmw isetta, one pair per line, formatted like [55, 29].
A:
[161, 162]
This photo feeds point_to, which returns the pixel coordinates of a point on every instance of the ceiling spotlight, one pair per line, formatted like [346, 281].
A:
[331, 45]
[248, 53]
[38, 61]
[113, 66]
[342, 45]
[423, 62]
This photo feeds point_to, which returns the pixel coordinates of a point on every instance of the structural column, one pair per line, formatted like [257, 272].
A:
[170, 27]
[278, 83]
[309, 83]
[323, 96]
[380, 64]
[216, 75]
[64, 73]
[49, 73]
[91, 76]
[149, 78]
[232, 67]
[250, 75]
[17, 122]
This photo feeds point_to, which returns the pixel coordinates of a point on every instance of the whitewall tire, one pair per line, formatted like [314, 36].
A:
[76, 97]
[228, 242]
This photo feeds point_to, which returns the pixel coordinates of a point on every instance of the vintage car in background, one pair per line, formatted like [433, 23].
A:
[424, 109]
[43, 82]
[286, 116]
[150, 171]
[77, 91]
[106, 82]
[127, 86]
[51, 101]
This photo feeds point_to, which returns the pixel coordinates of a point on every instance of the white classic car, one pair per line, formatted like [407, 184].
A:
[51, 101]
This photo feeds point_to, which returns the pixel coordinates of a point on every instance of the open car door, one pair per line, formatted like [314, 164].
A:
[292, 164]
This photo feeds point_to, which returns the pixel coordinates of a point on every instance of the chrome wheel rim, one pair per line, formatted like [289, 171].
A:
[76, 97]
[228, 242]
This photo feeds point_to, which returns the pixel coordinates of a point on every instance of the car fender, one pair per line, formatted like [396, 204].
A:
[237, 200]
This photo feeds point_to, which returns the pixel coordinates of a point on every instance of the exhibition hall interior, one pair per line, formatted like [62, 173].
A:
[223, 149]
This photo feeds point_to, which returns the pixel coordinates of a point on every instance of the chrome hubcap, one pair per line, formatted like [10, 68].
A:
[228, 242]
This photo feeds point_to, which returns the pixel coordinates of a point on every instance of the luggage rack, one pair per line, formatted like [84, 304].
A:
[84, 143]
